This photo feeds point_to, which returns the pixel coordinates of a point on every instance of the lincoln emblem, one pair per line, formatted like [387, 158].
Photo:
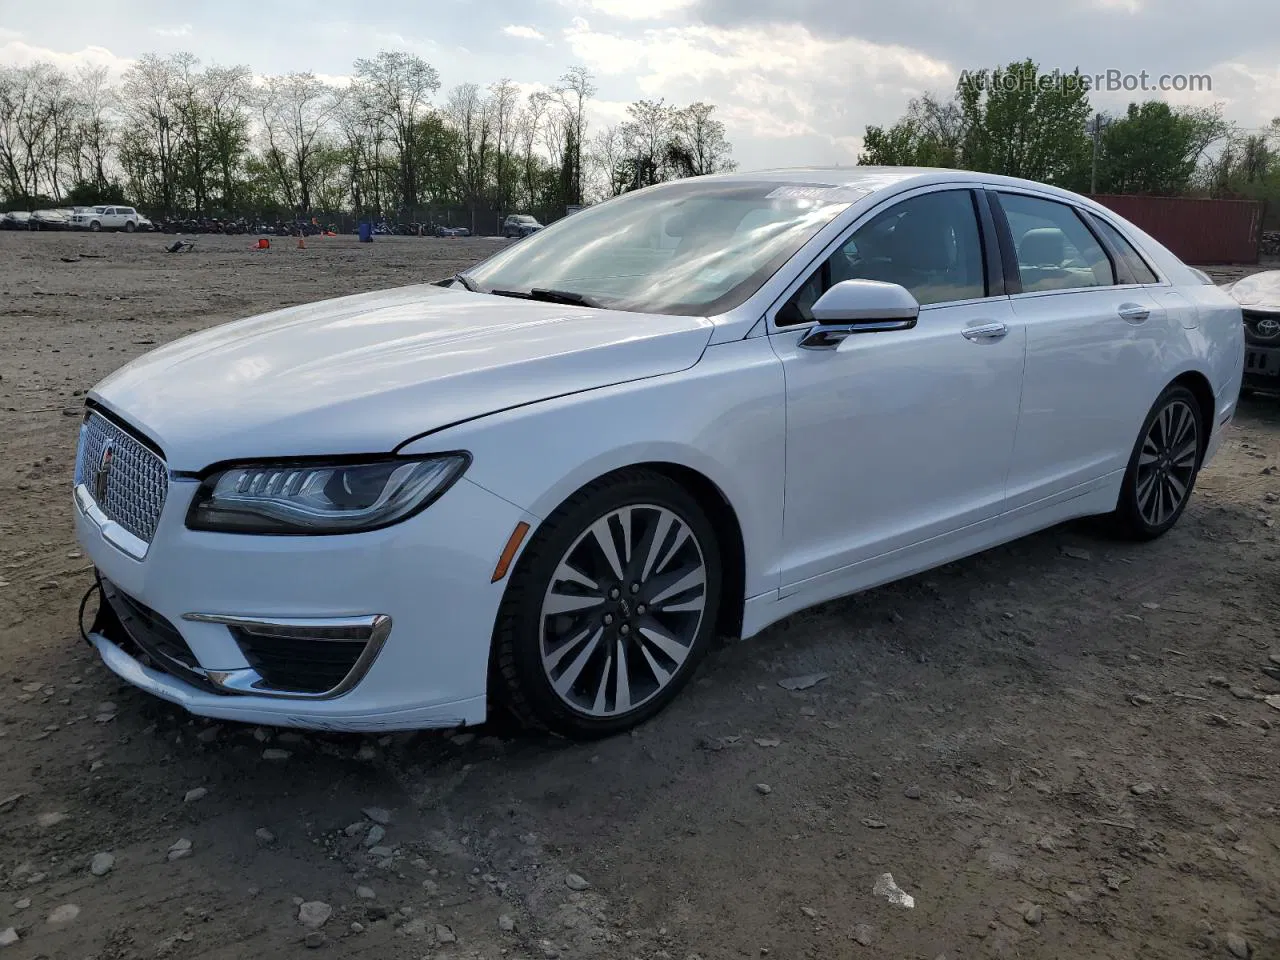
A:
[103, 471]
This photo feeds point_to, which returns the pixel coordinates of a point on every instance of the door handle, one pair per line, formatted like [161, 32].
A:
[992, 330]
[1133, 312]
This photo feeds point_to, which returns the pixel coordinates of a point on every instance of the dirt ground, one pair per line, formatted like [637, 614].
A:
[1057, 748]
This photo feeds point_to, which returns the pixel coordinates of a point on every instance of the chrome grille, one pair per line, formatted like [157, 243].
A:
[136, 482]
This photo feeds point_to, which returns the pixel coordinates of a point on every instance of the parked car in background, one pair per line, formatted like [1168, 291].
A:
[552, 480]
[110, 218]
[443, 231]
[50, 220]
[16, 220]
[1259, 299]
[520, 225]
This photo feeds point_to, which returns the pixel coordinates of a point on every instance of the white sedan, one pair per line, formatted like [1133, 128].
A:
[550, 481]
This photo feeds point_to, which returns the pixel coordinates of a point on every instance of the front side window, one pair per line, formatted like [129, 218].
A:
[698, 247]
[1054, 248]
[1132, 258]
[929, 244]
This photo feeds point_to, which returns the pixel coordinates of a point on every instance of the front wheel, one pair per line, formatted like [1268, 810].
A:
[610, 608]
[1162, 468]
[95, 226]
[129, 227]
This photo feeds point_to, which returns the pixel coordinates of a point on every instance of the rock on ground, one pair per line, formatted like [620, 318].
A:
[102, 864]
[314, 913]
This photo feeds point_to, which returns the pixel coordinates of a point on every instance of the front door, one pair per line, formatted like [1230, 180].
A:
[898, 437]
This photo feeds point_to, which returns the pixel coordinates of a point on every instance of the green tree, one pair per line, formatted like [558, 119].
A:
[1011, 120]
[1155, 148]
[1021, 123]
[929, 135]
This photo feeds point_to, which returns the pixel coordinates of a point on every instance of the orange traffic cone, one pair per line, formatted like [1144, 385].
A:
[302, 242]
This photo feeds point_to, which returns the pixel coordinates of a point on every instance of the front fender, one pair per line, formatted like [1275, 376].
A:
[725, 417]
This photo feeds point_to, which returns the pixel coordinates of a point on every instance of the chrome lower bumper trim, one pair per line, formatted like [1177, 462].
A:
[374, 630]
[112, 532]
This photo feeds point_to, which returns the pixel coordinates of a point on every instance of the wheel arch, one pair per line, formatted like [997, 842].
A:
[733, 554]
[720, 512]
[1202, 390]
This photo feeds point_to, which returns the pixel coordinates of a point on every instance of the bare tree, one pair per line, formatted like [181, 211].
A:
[227, 93]
[529, 124]
[149, 152]
[296, 110]
[577, 86]
[364, 132]
[38, 111]
[698, 146]
[646, 134]
[399, 87]
[608, 155]
[95, 134]
[470, 118]
[503, 100]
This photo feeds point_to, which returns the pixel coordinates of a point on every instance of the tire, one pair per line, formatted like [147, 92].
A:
[129, 226]
[644, 620]
[95, 227]
[1165, 460]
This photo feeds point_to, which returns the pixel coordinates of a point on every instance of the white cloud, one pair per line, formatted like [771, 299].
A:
[182, 30]
[631, 9]
[522, 32]
[16, 53]
[774, 83]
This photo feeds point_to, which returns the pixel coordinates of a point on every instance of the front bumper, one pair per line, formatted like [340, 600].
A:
[430, 576]
[1261, 366]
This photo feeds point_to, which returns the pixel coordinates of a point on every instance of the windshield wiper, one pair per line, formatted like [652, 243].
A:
[549, 296]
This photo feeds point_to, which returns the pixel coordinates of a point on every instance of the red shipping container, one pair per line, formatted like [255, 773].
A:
[1197, 229]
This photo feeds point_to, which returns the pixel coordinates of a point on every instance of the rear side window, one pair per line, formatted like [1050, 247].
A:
[1054, 248]
[1142, 273]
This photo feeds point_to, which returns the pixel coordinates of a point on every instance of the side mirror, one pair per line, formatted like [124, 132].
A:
[860, 306]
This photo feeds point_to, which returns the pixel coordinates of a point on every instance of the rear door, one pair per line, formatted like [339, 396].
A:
[1093, 365]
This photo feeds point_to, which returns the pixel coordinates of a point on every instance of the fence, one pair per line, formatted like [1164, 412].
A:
[484, 221]
[1197, 230]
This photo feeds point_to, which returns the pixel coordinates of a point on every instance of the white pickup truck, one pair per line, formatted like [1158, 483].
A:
[109, 218]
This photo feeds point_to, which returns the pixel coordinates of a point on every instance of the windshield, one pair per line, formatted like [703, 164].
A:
[696, 246]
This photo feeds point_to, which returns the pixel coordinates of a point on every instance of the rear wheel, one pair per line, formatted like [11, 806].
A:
[1162, 468]
[610, 608]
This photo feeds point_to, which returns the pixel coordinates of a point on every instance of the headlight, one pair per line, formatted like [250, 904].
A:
[319, 498]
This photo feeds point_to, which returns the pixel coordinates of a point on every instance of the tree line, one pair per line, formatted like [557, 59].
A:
[176, 136]
[1019, 121]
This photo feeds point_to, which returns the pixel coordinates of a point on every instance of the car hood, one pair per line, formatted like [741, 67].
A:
[363, 374]
[1258, 291]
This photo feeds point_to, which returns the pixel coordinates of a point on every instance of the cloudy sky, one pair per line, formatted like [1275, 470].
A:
[796, 81]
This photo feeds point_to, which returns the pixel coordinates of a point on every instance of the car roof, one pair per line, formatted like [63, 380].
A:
[871, 179]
